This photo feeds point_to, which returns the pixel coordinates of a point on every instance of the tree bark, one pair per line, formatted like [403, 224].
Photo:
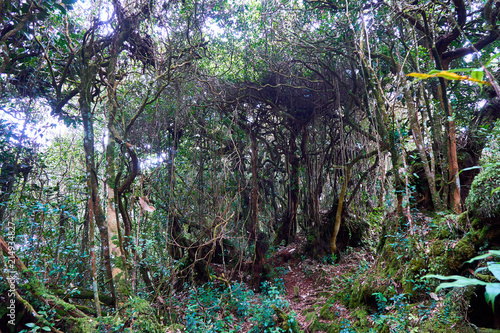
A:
[88, 142]
[92, 248]
[343, 191]
[453, 178]
[338, 214]
[288, 227]
[419, 142]
[254, 227]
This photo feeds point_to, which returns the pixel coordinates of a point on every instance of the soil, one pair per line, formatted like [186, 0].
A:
[309, 282]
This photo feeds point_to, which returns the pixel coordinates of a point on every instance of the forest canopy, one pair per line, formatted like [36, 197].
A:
[165, 163]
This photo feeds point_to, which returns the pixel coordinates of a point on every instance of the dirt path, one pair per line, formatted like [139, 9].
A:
[308, 285]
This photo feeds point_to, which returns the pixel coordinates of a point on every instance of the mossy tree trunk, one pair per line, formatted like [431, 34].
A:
[342, 197]
[87, 74]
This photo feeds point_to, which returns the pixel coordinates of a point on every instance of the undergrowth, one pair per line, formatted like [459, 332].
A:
[213, 308]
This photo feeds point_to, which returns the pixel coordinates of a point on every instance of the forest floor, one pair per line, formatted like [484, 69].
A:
[309, 284]
[326, 296]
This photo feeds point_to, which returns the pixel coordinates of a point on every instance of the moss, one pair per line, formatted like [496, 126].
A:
[357, 296]
[176, 328]
[309, 314]
[482, 201]
[444, 233]
[361, 315]
[362, 293]
[283, 320]
[476, 223]
[431, 326]
[408, 287]
[83, 325]
[392, 270]
[326, 312]
[334, 328]
[463, 221]
[417, 264]
[438, 248]
[316, 325]
[464, 250]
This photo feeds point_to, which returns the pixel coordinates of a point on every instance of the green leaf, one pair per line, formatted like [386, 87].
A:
[480, 269]
[471, 168]
[459, 282]
[46, 329]
[30, 325]
[491, 59]
[484, 256]
[494, 268]
[492, 291]
[477, 74]
[61, 8]
[459, 70]
[495, 190]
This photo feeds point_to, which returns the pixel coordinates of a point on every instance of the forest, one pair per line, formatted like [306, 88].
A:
[250, 166]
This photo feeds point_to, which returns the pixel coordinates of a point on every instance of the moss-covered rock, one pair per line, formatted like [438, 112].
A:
[417, 264]
[463, 221]
[484, 198]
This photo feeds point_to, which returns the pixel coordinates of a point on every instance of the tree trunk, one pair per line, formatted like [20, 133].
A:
[95, 288]
[338, 214]
[254, 222]
[419, 142]
[342, 196]
[312, 200]
[92, 182]
[288, 228]
[453, 178]
[116, 244]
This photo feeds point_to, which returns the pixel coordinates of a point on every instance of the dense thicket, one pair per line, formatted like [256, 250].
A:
[207, 132]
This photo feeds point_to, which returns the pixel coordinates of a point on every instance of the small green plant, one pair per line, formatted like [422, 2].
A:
[393, 313]
[346, 327]
[330, 259]
[35, 328]
[264, 314]
[43, 325]
[492, 288]
[276, 273]
[213, 309]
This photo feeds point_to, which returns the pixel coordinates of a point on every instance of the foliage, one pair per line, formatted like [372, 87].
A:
[229, 120]
[393, 313]
[264, 316]
[491, 152]
[492, 288]
[136, 315]
[449, 75]
[484, 200]
[212, 308]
